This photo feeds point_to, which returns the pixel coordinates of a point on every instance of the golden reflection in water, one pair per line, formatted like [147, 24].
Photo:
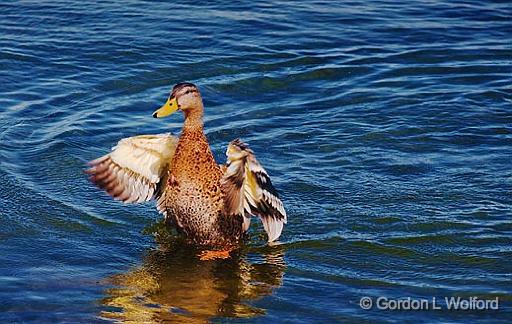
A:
[173, 285]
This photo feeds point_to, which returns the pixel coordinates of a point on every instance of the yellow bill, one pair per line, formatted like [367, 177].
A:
[167, 109]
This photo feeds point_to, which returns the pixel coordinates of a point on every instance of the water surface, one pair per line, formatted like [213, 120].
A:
[386, 127]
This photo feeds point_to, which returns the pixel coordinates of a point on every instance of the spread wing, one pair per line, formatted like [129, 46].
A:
[134, 170]
[248, 190]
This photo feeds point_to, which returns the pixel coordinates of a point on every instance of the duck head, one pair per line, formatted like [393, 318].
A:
[184, 96]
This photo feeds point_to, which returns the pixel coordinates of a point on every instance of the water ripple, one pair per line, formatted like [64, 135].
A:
[385, 126]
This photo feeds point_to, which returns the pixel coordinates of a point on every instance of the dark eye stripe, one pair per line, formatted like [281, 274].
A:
[182, 94]
[189, 91]
[183, 88]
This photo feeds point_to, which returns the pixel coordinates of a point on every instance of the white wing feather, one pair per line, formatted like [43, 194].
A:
[134, 169]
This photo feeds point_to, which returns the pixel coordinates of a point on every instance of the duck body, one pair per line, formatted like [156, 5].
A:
[211, 205]
[195, 201]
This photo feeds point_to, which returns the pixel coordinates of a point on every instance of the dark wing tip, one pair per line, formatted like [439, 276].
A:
[104, 174]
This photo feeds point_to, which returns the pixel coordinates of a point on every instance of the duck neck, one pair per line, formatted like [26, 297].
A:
[193, 120]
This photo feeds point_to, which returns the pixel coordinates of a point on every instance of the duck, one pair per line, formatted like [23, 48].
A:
[209, 204]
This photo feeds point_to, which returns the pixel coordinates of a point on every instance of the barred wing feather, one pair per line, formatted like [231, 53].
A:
[248, 190]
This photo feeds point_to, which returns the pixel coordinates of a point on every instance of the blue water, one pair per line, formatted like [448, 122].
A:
[386, 126]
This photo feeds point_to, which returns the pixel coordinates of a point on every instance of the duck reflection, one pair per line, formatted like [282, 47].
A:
[172, 284]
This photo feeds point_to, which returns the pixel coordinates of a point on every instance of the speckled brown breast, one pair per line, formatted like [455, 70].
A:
[194, 199]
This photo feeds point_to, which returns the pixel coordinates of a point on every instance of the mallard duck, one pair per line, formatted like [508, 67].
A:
[210, 204]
